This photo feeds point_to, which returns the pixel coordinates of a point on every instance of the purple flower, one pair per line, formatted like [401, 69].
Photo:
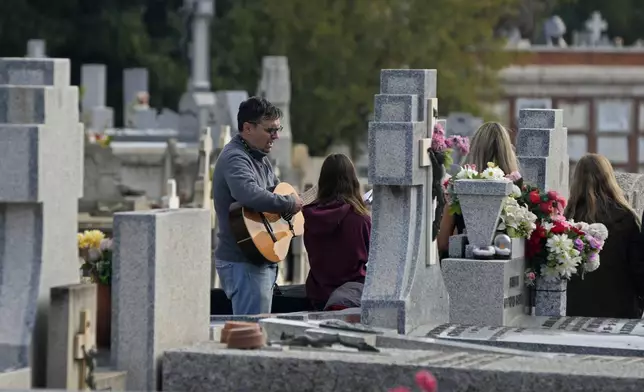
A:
[579, 244]
[594, 243]
[593, 256]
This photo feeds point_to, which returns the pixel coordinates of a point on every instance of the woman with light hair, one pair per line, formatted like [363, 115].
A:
[490, 143]
[615, 289]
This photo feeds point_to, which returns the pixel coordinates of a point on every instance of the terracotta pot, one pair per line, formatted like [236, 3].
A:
[103, 315]
[230, 325]
[246, 338]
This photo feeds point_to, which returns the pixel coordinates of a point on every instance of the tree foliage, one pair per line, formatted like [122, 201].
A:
[336, 49]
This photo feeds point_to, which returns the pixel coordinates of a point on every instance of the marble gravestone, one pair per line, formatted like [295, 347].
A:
[404, 288]
[487, 292]
[160, 288]
[41, 144]
[542, 149]
[96, 116]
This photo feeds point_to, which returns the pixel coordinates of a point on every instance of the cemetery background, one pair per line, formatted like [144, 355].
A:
[156, 148]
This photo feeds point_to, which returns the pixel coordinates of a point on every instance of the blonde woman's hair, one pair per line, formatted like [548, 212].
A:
[492, 143]
[594, 191]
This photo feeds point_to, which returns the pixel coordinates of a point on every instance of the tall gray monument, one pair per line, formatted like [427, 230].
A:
[41, 144]
[404, 288]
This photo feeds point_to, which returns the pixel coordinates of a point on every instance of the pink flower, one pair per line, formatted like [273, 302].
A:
[438, 142]
[438, 129]
[531, 276]
[514, 176]
[426, 381]
[399, 389]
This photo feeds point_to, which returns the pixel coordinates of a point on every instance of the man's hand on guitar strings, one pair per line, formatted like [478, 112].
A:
[298, 203]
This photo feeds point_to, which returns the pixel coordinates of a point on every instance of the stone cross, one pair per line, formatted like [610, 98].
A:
[596, 26]
[404, 288]
[173, 200]
[542, 149]
[41, 161]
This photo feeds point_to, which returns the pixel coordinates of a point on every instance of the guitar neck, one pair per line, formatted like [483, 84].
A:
[309, 196]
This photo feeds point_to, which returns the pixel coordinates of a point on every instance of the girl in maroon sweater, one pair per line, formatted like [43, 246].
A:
[337, 229]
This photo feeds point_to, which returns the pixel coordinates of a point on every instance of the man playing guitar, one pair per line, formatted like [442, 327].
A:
[244, 174]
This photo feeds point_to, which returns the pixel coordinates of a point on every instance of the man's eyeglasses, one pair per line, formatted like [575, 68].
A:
[272, 131]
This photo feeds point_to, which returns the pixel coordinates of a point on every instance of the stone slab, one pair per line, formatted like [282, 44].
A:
[160, 288]
[541, 118]
[541, 142]
[394, 153]
[273, 329]
[541, 340]
[487, 292]
[35, 72]
[546, 173]
[420, 82]
[67, 303]
[20, 273]
[15, 379]
[398, 274]
[396, 108]
[209, 366]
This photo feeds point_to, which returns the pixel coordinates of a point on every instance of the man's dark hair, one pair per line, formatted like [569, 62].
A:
[256, 109]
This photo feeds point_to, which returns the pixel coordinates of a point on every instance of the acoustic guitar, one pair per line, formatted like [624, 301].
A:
[266, 237]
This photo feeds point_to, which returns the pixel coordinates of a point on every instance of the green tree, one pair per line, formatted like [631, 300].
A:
[336, 49]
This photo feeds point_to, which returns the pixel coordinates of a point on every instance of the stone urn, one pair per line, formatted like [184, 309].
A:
[550, 297]
[481, 204]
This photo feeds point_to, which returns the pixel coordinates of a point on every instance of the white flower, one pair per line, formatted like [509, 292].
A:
[467, 172]
[583, 226]
[516, 192]
[547, 226]
[493, 173]
[590, 266]
[517, 220]
[559, 244]
[597, 230]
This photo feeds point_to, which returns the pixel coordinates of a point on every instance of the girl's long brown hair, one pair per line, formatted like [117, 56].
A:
[492, 143]
[338, 181]
[594, 191]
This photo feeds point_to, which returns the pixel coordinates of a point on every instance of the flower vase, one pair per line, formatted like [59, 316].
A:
[550, 297]
[103, 315]
[481, 204]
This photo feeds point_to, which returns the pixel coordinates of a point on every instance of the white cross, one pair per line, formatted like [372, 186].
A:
[173, 200]
[596, 25]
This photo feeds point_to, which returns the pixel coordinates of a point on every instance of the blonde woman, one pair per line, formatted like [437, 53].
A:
[614, 290]
[490, 143]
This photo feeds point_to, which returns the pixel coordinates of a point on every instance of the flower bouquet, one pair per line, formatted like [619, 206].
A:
[95, 253]
[443, 147]
[559, 248]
